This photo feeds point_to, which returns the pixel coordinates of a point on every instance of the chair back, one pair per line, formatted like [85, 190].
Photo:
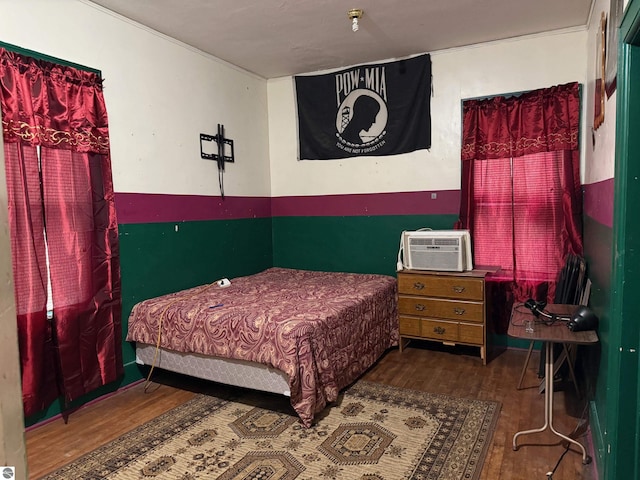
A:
[571, 281]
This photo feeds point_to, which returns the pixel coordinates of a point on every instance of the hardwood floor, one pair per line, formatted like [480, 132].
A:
[427, 367]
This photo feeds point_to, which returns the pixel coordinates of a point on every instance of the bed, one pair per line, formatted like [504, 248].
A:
[301, 333]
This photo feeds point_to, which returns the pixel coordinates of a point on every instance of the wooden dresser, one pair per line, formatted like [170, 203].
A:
[447, 307]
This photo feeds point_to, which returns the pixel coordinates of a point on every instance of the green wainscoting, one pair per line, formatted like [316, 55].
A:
[159, 258]
[360, 244]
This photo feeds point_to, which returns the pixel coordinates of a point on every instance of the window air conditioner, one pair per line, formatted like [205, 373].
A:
[446, 250]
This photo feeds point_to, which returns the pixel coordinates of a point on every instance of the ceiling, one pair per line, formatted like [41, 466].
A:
[275, 38]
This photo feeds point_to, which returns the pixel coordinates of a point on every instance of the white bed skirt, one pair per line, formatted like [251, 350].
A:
[223, 370]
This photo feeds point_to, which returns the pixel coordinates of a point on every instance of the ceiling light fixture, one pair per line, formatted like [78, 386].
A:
[355, 14]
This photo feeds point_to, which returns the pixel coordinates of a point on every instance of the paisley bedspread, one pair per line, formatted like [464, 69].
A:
[322, 329]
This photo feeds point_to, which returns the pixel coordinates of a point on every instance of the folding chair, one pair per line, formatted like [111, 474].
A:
[570, 289]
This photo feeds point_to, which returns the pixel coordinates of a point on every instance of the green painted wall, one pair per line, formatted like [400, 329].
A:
[159, 258]
[594, 363]
[354, 244]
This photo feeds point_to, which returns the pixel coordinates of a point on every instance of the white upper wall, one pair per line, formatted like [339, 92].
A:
[481, 70]
[600, 146]
[160, 96]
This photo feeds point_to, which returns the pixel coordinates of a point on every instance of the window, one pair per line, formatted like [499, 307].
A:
[521, 192]
[518, 216]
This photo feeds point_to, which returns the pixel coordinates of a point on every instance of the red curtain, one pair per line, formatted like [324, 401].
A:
[37, 354]
[521, 192]
[70, 197]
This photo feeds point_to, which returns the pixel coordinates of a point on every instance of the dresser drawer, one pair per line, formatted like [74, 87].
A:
[441, 286]
[469, 333]
[439, 330]
[442, 330]
[409, 326]
[441, 308]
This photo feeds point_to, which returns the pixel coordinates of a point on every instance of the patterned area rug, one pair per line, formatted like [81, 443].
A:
[373, 432]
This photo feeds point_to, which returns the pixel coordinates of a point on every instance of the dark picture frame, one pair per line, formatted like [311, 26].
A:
[611, 69]
[598, 107]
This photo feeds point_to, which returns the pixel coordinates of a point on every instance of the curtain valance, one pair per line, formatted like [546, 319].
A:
[542, 120]
[52, 105]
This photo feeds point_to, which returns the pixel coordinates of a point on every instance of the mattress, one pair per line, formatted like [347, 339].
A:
[240, 373]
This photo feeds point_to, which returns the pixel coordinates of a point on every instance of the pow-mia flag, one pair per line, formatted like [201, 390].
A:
[376, 109]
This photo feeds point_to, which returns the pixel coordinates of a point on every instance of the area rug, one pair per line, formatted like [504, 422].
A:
[373, 432]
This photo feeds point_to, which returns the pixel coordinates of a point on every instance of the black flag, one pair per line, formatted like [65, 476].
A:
[373, 109]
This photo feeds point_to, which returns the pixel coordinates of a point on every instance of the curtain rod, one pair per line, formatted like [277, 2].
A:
[42, 56]
[513, 94]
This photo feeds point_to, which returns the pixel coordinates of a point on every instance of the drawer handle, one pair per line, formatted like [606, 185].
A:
[439, 330]
[420, 307]
[459, 311]
[418, 286]
[458, 289]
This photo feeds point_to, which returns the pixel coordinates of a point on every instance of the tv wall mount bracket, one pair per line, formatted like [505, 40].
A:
[224, 154]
